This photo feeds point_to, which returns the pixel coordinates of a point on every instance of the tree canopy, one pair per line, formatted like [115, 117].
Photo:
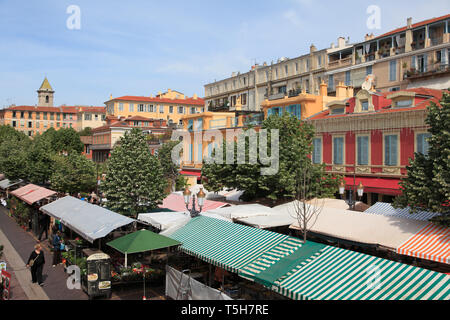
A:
[134, 178]
[427, 185]
[295, 146]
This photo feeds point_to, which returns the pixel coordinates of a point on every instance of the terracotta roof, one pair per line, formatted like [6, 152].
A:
[432, 95]
[414, 25]
[188, 101]
[65, 109]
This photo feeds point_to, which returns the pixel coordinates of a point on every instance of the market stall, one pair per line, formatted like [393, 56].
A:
[145, 268]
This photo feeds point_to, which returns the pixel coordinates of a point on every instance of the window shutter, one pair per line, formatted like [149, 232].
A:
[210, 149]
[425, 62]
[199, 152]
[387, 150]
[414, 62]
[190, 152]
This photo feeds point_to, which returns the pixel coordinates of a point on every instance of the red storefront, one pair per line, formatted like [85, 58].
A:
[370, 138]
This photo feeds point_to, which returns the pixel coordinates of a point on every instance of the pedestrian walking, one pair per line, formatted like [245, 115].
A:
[36, 263]
[56, 248]
[44, 223]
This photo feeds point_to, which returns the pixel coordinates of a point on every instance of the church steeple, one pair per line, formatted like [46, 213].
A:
[45, 94]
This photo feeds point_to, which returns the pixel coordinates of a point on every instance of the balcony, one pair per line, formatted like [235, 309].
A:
[340, 63]
[436, 69]
[294, 92]
[275, 96]
[436, 40]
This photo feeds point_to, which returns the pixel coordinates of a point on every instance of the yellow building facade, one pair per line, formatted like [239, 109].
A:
[171, 106]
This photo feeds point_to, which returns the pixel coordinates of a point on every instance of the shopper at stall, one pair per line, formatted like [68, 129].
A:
[36, 263]
[44, 223]
[56, 248]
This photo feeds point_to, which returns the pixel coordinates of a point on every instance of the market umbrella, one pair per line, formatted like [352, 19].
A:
[141, 241]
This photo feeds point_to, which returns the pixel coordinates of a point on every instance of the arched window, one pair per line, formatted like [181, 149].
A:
[46, 99]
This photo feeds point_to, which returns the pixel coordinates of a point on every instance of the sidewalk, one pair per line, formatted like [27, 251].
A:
[18, 246]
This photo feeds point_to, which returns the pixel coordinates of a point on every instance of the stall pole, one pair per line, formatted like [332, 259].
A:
[125, 259]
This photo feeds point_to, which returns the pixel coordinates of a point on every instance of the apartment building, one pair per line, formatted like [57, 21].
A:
[104, 138]
[33, 120]
[245, 92]
[415, 55]
[369, 138]
[412, 56]
[169, 106]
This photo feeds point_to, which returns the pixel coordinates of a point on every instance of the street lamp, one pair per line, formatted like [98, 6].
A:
[201, 199]
[350, 201]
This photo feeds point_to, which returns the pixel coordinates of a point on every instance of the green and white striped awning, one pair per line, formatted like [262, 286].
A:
[233, 246]
[339, 274]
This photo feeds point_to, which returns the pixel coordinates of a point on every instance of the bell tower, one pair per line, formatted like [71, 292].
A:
[45, 94]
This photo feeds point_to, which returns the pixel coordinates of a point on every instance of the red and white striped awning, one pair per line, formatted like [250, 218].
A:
[431, 243]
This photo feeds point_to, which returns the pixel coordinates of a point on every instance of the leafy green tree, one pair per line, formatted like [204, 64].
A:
[427, 185]
[135, 179]
[295, 146]
[73, 174]
[86, 132]
[7, 133]
[40, 160]
[13, 157]
[63, 140]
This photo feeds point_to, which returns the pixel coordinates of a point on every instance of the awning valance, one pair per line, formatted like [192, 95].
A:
[90, 221]
[32, 193]
[377, 185]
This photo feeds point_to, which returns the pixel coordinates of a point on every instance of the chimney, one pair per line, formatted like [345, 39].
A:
[408, 23]
[195, 96]
[110, 96]
[341, 42]
[341, 90]
[350, 92]
[323, 89]
[312, 48]
[368, 37]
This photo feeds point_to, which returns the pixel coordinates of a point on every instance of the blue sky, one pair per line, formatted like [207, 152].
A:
[142, 47]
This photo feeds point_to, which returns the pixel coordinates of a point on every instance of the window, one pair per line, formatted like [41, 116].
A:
[58, 116]
[390, 150]
[29, 114]
[161, 109]
[22, 114]
[190, 125]
[347, 78]
[103, 117]
[64, 116]
[368, 70]
[30, 124]
[296, 67]
[286, 70]
[121, 106]
[52, 116]
[45, 116]
[319, 61]
[38, 116]
[340, 110]
[150, 108]
[70, 118]
[338, 150]
[38, 124]
[57, 124]
[192, 110]
[362, 150]
[140, 108]
[14, 114]
[170, 109]
[136, 123]
[403, 103]
[295, 110]
[14, 124]
[199, 152]
[87, 116]
[307, 64]
[317, 150]
[190, 152]
[180, 110]
[199, 126]
[244, 98]
[96, 117]
[131, 107]
[364, 105]
[393, 70]
[422, 143]
[331, 81]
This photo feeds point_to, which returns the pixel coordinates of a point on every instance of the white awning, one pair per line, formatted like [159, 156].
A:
[243, 211]
[88, 220]
[387, 231]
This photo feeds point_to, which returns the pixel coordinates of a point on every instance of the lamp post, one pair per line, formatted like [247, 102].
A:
[201, 198]
[350, 201]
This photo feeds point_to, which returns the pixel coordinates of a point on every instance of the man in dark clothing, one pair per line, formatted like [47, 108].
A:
[36, 261]
[56, 248]
[44, 223]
